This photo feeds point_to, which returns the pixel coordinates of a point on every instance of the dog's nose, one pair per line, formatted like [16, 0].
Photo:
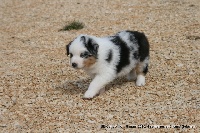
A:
[74, 65]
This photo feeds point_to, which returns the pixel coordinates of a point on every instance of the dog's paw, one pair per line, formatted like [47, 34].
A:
[89, 94]
[140, 80]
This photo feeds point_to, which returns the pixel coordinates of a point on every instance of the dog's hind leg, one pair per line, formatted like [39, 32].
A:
[141, 70]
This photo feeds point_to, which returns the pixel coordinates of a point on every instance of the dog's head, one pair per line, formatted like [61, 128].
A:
[83, 52]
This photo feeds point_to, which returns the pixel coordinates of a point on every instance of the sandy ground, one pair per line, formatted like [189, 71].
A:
[40, 92]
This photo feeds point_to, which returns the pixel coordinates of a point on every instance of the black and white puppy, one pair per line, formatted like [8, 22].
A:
[106, 58]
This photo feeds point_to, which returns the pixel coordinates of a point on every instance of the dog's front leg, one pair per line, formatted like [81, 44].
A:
[96, 85]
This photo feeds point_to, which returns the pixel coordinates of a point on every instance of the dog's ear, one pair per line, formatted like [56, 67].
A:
[67, 48]
[91, 45]
[83, 39]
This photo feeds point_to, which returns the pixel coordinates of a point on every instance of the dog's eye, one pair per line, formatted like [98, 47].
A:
[70, 55]
[85, 54]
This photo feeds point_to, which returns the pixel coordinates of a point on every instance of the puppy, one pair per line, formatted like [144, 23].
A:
[106, 58]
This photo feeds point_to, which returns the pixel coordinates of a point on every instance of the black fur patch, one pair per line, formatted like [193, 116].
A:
[142, 42]
[124, 53]
[110, 56]
[67, 48]
[145, 69]
[83, 39]
[91, 46]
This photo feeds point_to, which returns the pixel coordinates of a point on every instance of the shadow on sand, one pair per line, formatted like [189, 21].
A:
[80, 86]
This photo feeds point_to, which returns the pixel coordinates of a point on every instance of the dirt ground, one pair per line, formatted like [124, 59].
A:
[40, 92]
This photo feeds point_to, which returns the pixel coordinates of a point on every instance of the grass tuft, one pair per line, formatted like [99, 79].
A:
[75, 25]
